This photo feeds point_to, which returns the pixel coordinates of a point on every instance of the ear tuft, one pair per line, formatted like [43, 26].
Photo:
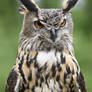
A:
[22, 9]
[65, 4]
[68, 4]
[30, 5]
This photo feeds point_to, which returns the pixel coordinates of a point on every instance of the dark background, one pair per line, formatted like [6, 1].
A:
[10, 26]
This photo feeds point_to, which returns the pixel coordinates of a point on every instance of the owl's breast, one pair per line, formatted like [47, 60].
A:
[50, 71]
[59, 70]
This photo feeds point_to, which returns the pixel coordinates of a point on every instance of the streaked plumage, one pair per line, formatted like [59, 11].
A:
[45, 60]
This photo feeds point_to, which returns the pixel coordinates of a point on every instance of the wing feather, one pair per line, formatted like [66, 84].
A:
[81, 83]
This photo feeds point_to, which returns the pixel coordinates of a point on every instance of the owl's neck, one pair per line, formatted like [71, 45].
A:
[38, 44]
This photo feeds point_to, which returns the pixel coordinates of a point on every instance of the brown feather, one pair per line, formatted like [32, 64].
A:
[11, 82]
[81, 83]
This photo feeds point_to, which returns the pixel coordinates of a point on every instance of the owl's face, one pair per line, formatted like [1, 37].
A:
[52, 26]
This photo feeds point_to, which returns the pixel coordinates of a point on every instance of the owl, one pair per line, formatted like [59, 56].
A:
[45, 61]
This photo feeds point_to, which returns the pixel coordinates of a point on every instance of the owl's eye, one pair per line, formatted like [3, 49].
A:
[63, 23]
[38, 24]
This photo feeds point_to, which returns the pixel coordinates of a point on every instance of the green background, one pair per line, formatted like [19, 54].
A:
[10, 26]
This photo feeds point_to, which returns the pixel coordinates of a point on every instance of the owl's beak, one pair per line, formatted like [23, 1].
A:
[53, 34]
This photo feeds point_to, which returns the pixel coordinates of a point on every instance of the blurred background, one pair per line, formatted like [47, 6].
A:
[10, 26]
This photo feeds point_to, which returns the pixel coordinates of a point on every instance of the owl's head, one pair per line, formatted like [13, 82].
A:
[47, 27]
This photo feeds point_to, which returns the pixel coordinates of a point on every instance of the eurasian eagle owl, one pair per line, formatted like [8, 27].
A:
[45, 60]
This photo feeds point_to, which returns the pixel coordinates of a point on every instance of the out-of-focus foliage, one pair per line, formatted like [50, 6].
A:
[10, 26]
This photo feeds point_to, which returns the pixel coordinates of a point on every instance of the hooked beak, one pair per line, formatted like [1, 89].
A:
[53, 34]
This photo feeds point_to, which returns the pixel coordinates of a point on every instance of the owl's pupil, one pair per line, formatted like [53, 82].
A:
[39, 23]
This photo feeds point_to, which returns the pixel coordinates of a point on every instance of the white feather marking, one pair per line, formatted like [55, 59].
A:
[37, 89]
[46, 57]
[45, 88]
[58, 57]
[17, 86]
[79, 90]
[51, 84]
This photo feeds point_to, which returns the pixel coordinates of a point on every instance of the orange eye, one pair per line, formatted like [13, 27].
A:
[38, 24]
[63, 23]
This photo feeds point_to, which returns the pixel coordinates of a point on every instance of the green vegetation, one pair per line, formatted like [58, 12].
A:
[10, 26]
